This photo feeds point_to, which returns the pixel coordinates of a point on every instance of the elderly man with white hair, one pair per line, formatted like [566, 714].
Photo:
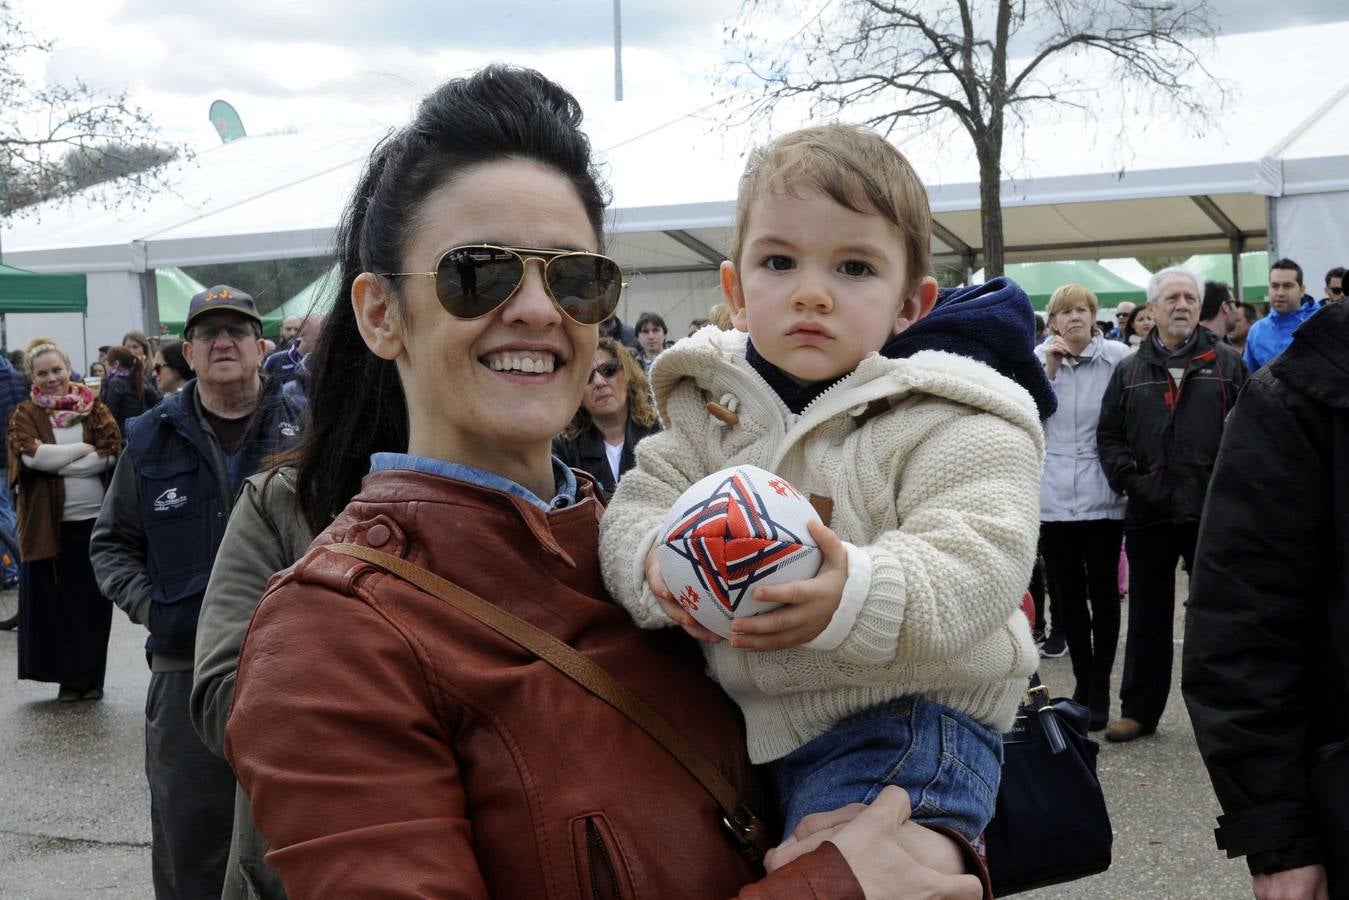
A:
[1160, 426]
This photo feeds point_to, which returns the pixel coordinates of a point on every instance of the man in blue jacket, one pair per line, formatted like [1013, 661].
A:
[1289, 307]
[153, 547]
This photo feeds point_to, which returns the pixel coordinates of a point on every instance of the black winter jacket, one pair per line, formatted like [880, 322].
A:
[1267, 626]
[586, 452]
[119, 396]
[1157, 439]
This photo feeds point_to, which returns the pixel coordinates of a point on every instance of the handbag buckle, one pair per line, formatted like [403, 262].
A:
[747, 832]
[1040, 701]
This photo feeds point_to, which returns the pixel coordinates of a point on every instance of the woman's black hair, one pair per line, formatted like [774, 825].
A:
[356, 401]
[1133, 317]
[121, 358]
[173, 358]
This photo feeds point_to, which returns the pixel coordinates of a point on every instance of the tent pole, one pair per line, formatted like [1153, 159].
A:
[1236, 269]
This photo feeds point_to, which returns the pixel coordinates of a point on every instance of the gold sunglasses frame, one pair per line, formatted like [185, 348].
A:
[525, 254]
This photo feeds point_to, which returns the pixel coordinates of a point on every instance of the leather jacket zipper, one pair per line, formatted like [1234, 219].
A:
[601, 866]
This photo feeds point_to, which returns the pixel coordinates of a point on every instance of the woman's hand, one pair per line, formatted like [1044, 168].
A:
[868, 838]
[656, 581]
[808, 605]
[1056, 351]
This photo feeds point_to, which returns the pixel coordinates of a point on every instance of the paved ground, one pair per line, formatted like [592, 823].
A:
[74, 813]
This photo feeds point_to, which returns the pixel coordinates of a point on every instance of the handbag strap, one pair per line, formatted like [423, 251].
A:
[747, 831]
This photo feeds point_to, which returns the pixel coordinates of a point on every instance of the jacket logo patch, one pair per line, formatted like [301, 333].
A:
[168, 500]
[288, 429]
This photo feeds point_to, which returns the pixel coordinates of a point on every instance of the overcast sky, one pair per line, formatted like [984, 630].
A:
[299, 65]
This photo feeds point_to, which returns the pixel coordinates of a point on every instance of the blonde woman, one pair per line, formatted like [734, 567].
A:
[615, 414]
[1081, 517]
[62, 446]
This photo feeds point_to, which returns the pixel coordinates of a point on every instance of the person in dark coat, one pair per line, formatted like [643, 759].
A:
[615, 414]
[125, 391]
[1267, 626]
[1161, 421]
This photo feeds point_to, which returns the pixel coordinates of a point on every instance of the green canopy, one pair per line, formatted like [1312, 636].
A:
[316, 297]
[32, 292]
[1040, 280]
[1218, 267]
[175, 289]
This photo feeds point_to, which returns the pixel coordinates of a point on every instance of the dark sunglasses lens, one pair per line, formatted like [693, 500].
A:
[609, 369]
[586, 286]
[473, 281]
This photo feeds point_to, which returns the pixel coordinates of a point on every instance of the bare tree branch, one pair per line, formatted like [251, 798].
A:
[888, 62]
[58, 138]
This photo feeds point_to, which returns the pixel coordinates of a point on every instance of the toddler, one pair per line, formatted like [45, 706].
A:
[903, 659]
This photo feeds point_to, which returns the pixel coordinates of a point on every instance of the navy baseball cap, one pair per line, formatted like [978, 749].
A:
[222, 297]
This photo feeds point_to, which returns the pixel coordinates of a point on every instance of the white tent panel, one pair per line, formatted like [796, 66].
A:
[677, 298]
[1311, 231]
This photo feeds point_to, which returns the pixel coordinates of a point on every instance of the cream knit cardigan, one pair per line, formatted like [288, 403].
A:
[933, 464]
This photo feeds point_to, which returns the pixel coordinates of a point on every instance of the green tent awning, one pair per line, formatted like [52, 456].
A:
[1040, 280]
[33, 292]
[175, 289]
[317, 297]
[1218, 267]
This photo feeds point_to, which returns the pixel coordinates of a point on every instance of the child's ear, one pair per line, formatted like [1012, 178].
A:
[735, 297]
[918, 304]
[377, 316]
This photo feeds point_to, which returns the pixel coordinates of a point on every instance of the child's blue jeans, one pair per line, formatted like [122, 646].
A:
[949, 763]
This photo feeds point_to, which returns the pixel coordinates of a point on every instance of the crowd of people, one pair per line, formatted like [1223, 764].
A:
[474, 407]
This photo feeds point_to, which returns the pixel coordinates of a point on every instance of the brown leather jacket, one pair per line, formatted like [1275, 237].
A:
[394, 747]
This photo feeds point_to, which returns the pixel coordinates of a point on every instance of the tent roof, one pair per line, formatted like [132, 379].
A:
[24, 292]
[317, 296]
[175, 289]
[280, 195]
[1254, 271]
[1040, 280]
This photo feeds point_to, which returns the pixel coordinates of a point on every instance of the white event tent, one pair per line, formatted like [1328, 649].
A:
[1269, 173]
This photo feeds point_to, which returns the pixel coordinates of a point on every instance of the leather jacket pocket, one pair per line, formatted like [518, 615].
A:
[600, 870]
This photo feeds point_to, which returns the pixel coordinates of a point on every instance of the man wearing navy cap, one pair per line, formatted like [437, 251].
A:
[153, 546]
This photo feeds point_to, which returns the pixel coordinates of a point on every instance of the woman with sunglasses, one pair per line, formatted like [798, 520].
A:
[393, 746]
[615, 414]
[171, 370]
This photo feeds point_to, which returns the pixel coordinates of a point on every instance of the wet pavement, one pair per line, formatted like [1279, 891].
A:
[75, 813]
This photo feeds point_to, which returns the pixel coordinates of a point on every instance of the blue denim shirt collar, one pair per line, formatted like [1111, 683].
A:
[564, 478]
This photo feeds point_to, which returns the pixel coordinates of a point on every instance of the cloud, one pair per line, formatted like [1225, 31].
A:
[422, 25]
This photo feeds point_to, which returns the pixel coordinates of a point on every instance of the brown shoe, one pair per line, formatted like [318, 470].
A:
[1124, 730]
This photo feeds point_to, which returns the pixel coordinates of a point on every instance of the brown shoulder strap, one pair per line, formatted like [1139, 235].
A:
[746, 830]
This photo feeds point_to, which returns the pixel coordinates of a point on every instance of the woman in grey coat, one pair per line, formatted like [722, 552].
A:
[1081, 517]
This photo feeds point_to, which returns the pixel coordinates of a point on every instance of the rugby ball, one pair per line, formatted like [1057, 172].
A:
[731, 532]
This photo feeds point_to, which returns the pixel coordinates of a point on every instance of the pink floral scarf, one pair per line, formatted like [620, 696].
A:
[68, 409]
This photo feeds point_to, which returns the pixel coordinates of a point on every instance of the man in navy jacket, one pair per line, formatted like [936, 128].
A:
[153, 547]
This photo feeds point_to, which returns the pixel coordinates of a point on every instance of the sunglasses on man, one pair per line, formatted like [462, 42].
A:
[475, 280]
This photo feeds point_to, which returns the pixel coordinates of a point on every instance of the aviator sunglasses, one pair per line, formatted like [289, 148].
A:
[474, 280]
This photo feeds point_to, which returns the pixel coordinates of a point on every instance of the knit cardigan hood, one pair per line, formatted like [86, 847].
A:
[932, 465]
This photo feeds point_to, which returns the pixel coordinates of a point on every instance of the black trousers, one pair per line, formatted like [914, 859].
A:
[1148, 650]
[1082, 570]
[191, 796]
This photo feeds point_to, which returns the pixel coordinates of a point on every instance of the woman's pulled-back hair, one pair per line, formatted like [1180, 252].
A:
[356, 401]
[121, 358]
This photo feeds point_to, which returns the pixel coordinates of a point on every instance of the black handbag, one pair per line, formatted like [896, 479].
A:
[1050, 824]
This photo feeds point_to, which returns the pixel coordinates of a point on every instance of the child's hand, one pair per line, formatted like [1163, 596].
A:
[656, 582]
[809, 604]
